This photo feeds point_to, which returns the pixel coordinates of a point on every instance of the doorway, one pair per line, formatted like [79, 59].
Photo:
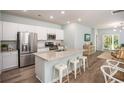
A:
[111, 42]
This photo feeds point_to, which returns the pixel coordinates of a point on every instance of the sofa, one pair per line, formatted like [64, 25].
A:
[119, 53]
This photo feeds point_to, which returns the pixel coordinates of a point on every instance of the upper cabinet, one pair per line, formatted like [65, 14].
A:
[26, 28]
[59, 34]
[0, 30]
[10, 30]
[41, 33]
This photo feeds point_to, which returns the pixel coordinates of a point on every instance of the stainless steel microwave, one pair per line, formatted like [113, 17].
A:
[51, 36]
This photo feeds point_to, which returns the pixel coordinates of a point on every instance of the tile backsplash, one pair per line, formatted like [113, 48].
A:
[41, 43]
[10, 44]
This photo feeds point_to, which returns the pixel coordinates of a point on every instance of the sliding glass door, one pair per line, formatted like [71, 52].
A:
[110, 42]
[115, 41]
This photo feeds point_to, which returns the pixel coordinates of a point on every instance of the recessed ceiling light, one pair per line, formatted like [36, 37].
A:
[115, 26]
[114, 30]
[112, 13]
[25, 10]
[79, 19]
[62, 12]
[68, 22]
[51, 17]
[39, 15]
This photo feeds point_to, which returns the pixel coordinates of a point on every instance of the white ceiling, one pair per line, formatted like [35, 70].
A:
[92, 18]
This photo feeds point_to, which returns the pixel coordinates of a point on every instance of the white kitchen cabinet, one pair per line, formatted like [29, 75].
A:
[0, 62]
[26, 28]
[10, 31]
[42, 33]
[10, 60]
[59, 34]
[0, 30]
[0, 45]
[51, 31]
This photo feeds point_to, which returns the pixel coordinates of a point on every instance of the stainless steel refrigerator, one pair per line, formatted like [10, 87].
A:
[27, 45]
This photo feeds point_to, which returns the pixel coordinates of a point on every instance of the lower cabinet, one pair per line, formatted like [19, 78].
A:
[10, 60]
[0, 62]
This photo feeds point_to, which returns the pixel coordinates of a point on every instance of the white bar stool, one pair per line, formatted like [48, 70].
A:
[61, 68]
[83, 59]
[75, 64]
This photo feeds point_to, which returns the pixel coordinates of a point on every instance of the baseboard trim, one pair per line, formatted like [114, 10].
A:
[9, 68]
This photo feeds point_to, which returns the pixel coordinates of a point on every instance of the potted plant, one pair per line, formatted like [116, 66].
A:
[4, 47]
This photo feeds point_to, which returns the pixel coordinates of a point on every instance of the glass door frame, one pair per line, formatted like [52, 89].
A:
[103, 48]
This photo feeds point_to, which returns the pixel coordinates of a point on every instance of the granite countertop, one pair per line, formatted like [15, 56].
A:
[53, 55]
[9, 51]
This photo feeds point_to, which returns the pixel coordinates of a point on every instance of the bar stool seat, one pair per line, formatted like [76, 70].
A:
[61, 68]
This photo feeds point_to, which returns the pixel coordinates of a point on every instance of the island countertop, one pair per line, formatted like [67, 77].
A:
[54, 55]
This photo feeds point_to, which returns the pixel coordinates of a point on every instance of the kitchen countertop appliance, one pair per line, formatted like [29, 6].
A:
[26, 45]
[51, 45]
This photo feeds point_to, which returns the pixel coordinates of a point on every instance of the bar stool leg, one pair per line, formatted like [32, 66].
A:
[67, 75]
[75, 70]
[80, 67]
[53, 74]
[84, 64]
[60, 76]
[87, 63]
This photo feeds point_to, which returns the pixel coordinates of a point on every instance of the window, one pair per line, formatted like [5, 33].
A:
[110, 42]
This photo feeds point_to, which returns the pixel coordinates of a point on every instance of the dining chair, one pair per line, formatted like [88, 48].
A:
[109, 77]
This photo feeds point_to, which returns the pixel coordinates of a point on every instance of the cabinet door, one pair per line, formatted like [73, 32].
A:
[10, 31]
[41, 33]
[0, 47]
[0, 62]
[51, 31]
[10, 60]
[0, 30]
[59, 34]
[26, 28]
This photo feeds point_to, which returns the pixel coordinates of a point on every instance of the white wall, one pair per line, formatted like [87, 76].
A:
[74, 35]
[101, 32]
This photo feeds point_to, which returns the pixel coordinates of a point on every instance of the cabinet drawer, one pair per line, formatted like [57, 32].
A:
[10, 60]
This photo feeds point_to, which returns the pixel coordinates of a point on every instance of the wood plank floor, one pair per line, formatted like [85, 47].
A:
[27, 74]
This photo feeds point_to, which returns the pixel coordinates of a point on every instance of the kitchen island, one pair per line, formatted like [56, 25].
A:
[44, 62]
